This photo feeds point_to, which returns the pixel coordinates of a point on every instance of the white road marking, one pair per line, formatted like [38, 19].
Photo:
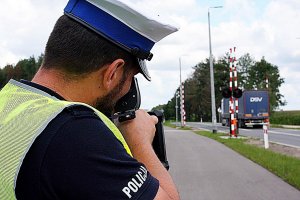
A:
[245, 130]
[279, 133]
[175, 130]
[293, 130]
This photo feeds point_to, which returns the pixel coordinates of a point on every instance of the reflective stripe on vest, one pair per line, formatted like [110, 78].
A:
[25, 112]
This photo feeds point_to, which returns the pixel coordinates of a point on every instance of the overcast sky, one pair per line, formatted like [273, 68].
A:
[259, 27]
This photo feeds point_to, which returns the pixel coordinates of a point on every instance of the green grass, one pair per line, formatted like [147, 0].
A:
[169, 124]
[286, 167]
[286, 117]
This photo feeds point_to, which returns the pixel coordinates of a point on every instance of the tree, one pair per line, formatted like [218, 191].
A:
[168, 109]
[252, 75]
[7, 73]
[197, 92]
[259, 73]
[244, 64]
[221, 74]
[24, 69]
[197, 89]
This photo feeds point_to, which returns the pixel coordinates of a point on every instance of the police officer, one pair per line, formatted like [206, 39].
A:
[55, 139]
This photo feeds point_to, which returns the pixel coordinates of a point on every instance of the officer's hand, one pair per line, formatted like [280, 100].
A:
[139, 132]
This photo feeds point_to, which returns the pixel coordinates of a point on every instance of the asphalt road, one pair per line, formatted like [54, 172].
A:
[205, 169]
[289, 137]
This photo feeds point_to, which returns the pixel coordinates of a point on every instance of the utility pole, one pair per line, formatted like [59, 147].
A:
[212, 81]
[182, 111]
[176, 106]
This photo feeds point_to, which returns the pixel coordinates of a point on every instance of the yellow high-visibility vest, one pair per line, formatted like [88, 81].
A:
[25, 112]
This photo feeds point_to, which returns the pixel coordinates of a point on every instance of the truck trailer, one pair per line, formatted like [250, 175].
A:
[253, 109]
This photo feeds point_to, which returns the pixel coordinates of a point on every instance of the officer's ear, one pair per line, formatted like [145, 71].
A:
[113, 74]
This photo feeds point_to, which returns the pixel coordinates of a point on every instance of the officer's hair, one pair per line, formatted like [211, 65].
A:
[78, 51]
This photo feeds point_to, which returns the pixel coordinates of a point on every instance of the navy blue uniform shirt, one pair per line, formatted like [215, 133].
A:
[78, 157]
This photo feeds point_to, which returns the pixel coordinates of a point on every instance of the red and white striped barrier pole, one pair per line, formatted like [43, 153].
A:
[236, 87]
[182, 106]
[231, 102]
[266, 136]
[232, 118]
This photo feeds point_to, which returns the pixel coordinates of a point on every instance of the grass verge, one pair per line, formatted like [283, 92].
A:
[169, 123]
[291, 117]
[285, 126]
[286, 167]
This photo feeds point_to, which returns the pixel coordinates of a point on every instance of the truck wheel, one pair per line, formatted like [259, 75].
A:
[223, 122]
[241, 124]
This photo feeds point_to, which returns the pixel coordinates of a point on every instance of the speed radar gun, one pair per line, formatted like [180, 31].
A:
[125, 110]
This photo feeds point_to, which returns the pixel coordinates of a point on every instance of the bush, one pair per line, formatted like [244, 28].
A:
[286, 117]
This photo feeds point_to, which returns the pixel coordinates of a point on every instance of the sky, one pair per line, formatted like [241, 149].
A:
[269, 28]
